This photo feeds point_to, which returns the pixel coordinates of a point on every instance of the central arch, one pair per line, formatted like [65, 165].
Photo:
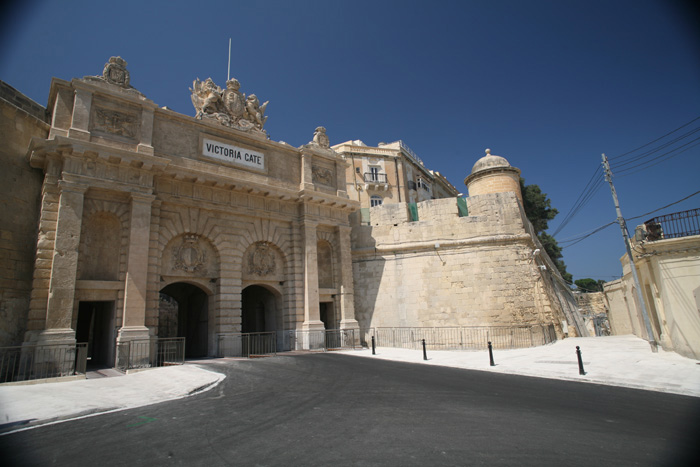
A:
[261, 309]
[184, 312]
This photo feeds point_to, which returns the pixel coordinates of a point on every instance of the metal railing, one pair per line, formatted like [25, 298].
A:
[321, 340]
[676, 225]
[371, 177]
[465, 338]
[149, 353]
[250, 345]
[27, 362]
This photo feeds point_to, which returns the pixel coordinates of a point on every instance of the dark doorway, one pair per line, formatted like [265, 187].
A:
[192, 317]
[95, 326]
[327, 315]
[259, 310]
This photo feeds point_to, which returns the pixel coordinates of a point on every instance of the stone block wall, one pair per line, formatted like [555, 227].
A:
[20, 191]
[446, 270]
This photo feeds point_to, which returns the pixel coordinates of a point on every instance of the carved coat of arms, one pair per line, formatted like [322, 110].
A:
[262, 260]
[230, 107]
[115, 72]
[189, 255]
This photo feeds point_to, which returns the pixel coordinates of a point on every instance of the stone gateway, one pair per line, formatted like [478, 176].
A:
[149, 223]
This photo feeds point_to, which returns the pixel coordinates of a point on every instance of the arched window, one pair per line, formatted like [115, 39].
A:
[375, 200]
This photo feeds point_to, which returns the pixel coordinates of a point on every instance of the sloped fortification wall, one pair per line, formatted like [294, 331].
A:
[446, 270]
[20, 189]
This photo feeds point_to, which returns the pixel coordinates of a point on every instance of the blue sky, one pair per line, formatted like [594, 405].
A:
[550, 85]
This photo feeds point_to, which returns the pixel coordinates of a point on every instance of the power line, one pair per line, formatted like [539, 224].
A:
[664, 207]
[662, 160]
[655, 150]
[657, 139]
[582, 199]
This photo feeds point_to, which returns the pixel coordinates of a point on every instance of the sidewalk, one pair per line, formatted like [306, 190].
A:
[625, 361]
[37, 404]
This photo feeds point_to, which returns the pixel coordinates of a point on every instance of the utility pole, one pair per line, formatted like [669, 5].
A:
[625, 236]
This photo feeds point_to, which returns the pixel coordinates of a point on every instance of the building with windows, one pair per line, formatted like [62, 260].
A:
[125, 222]
[390, 173]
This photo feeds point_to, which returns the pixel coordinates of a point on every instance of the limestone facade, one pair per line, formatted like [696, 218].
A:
[138, 200]
[129, 221]
[669, 274]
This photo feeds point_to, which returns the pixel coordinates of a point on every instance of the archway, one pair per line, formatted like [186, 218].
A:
[260, 310]
[188, 307]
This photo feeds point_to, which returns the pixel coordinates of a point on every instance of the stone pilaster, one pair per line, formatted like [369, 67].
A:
[307, 182]
[347, 300]
[81, 115]
[312, 319]
[64, 268]
[146, 144]
[136, 286]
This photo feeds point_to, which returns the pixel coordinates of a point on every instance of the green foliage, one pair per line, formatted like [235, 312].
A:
[589, 285]
[539, 212]
[538, 207]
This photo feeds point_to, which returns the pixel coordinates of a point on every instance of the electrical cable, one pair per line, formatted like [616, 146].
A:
[662, 160]
[657, 139]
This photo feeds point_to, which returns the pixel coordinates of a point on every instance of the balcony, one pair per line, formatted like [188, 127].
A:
[376, 181]
[676, 225]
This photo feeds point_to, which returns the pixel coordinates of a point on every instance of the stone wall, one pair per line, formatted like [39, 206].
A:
[446, 270]
[20, 185]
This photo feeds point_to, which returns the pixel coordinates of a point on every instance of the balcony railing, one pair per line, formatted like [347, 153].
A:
[371, 177]
[676, 225]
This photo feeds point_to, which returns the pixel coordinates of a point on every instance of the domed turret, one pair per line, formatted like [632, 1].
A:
[493, 174]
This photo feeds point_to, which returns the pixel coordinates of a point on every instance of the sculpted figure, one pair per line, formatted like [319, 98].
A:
[234, 100]
[320, 138]
[229, 107]
[256, 111]
[212, 101]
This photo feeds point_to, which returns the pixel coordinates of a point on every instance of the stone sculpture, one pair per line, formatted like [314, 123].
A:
[320, 138]
[230, 107]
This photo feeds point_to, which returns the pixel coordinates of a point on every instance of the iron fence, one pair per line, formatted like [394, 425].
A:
[320, 340]
[465, 338]
[27, 362]
[676, 225]
[149, 353]
[250, 344]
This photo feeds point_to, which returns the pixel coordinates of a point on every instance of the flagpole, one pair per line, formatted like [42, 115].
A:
[228, 75]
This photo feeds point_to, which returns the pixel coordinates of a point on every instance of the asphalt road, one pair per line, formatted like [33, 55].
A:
[332, 409]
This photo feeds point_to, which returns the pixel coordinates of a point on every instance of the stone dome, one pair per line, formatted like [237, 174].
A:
[489, 161]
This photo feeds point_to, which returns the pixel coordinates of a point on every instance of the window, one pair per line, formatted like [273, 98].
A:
[374, 173]
[375, 201]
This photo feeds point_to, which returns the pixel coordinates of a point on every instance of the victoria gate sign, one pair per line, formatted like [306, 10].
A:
[233, 154]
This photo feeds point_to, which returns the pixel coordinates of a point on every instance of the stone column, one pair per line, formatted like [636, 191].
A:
[312, 319]
[81, 115]
[347, 300]
[64, 265]
[136, 286]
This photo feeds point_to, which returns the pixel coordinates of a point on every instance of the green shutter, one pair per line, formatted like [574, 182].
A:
[462, 207]
[413, 208]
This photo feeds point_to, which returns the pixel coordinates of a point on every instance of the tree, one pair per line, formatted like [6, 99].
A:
[539, 211]
[589, 285]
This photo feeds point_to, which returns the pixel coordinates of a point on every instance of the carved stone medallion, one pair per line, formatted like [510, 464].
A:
[262, 260]
[189, 255]
[115, 72]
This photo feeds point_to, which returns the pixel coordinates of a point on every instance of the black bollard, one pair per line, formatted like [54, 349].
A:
[373, 352]
[491, 354]
[425, 355]
[580, 362]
